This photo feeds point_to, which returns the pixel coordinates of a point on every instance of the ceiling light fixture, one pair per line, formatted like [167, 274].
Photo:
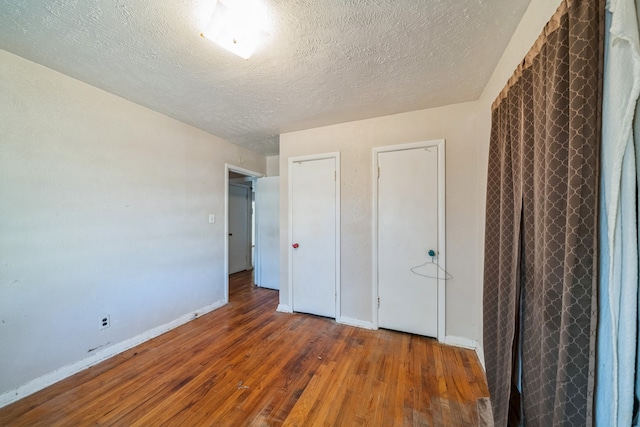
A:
[237, 26]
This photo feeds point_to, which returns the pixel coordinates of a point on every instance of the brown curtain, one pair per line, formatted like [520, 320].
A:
[540, 242]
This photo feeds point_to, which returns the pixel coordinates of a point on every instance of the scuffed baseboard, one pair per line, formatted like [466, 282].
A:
[100, 355]
[460, 342]
[284, 308]
[355, 322]
[480, 353]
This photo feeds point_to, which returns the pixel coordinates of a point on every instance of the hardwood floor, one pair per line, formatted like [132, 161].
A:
[245, 364]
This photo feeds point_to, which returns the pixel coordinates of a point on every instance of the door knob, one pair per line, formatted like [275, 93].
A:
[295, 246]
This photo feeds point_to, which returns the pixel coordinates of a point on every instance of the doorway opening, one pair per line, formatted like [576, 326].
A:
[239, 222]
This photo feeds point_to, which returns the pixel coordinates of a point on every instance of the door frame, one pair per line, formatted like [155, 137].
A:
[441, 289]
[231, 168]
[298, 159]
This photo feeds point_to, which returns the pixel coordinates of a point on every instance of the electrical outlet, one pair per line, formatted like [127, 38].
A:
[105, 322]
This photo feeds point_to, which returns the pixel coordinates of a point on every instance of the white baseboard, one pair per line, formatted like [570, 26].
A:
[480, 353]
[284, 308]
[355, 322]
[460, 342]
[100, 355]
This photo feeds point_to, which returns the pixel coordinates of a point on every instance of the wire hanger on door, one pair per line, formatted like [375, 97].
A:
[437, 269]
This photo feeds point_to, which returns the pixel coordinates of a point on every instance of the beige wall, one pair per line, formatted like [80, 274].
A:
[103, 210]
[354, 141]
[273, 165]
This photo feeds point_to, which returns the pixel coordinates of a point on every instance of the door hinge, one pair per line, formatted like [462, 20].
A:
[378, 172]
[378, 302]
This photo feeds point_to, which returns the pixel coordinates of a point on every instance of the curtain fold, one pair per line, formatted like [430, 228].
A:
[543, 174]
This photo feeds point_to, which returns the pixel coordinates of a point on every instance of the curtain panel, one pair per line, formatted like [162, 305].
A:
[540, 310]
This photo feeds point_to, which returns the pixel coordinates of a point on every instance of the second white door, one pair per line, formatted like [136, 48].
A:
[267, 262]
[313, 236]
[239, 228]
[407, 229]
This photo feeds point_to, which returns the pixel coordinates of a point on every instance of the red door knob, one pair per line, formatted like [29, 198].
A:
[295, 246]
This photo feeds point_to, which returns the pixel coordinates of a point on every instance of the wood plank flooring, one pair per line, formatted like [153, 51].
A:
[247, 365]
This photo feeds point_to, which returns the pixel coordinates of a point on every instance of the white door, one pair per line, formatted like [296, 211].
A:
[267, 272]
[407, 229]
[313, 236]
[239, 228]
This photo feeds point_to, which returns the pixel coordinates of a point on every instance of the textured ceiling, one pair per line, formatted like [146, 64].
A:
[326, 62]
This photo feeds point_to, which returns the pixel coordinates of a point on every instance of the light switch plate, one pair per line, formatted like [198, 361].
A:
[212, 218]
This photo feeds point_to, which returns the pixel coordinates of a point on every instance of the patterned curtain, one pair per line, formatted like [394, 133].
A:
[541, 227]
